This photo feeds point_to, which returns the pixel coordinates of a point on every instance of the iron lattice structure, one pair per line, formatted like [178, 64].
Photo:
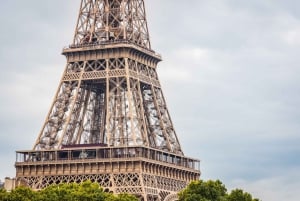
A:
[109, 120]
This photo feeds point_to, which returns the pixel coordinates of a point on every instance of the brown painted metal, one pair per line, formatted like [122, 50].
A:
[109, 100]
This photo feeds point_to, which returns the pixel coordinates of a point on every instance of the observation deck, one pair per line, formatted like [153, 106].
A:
[96, 153]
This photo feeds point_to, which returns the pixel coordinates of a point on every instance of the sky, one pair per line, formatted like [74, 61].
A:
[230, 75]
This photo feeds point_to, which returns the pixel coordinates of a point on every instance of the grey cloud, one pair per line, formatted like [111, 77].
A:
[230, 76]
[236, 102]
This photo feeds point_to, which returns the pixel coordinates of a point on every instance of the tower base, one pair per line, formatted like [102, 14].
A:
[148, 173]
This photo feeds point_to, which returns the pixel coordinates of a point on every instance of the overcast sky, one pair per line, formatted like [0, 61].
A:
[230, 75]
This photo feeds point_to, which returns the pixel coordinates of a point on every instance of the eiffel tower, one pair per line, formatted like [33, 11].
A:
[109, 121]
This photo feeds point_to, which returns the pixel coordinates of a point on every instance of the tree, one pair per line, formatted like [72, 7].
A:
[212, 191]
[86, 191]
[240, 195]
[3, 195]
[122, 197]
[203, 191]
[89, 191]
[22, 194]
[62, 192]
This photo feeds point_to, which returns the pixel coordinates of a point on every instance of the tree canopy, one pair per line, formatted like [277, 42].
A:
[212, 191]
[88, 191]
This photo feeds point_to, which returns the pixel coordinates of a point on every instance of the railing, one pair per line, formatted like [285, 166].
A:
[103, 154]
[102, 44]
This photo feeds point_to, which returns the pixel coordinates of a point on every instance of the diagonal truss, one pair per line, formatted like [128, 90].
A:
[116, 101]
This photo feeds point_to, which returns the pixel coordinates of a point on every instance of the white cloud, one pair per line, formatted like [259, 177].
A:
[292, 37]
[194, 54]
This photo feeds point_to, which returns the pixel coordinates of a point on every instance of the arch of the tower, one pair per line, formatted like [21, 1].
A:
[172, 197]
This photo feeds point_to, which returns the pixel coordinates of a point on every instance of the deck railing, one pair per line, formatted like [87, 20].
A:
[102, 153]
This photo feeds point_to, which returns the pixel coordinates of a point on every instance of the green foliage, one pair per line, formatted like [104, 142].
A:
[212, 191]
[3, 195]
[22, 194]
[86, 191]
[122, 197]
[203, 191]
[61, 192]
[89, 191]
[126, 197]
[239, 195]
